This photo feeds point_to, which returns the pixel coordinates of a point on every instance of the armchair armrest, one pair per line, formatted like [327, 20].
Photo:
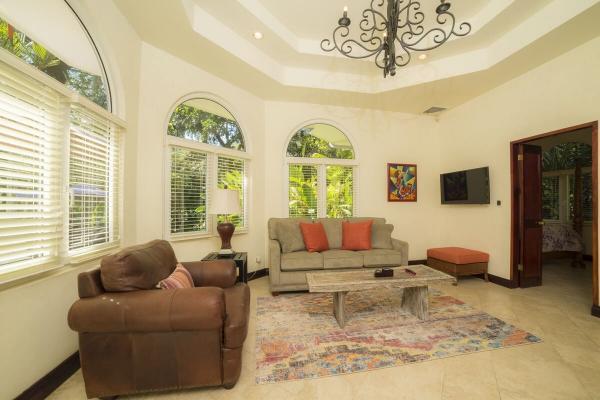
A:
[197, 309]
[403, 248]
[219, 273]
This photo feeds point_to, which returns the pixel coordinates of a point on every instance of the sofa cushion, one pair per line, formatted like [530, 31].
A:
[333, 230]
[376, 257]
[381, 236]
[356, 235]
[337, 259]
[289, 235]
[301, 261]
[137, 267]
[314, 237]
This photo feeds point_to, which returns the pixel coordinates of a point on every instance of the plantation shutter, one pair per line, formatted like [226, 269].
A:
[31, 117]
[302, 190]
[189, 194]
[94, 194]
[231, 174]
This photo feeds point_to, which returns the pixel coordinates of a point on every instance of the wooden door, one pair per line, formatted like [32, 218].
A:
[530, 217]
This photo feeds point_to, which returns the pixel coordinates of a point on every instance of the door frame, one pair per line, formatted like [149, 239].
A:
[514, 182]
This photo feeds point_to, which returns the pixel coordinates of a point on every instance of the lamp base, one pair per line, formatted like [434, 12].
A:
[226, 230]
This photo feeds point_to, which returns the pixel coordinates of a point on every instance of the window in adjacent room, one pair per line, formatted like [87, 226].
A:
[322, 173]
[206, 151]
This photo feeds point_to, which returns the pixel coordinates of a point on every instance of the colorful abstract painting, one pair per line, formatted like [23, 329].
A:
[297, 336]
[401, 182]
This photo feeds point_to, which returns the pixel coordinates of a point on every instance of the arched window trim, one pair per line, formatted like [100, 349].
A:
[322, 163]
[215, 151]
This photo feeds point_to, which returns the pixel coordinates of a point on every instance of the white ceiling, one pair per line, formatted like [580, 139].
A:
[508, 37]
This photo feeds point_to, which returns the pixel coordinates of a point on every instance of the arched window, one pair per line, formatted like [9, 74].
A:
[60, 156]
[321, 173]
[58, 46]
[206, 151]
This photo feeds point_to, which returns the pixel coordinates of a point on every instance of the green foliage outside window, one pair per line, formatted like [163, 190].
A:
[33, 53]
[192, 123]
[302, 192]
[188, 191]
[340, 201]
[305, 144]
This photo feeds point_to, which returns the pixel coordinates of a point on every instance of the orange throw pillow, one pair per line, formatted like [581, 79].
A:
[356, 235]
[314, 236]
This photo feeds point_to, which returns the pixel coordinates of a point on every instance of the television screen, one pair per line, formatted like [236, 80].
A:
[466, 187]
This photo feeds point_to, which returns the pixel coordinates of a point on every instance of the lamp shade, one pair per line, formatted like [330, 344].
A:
[225, 201]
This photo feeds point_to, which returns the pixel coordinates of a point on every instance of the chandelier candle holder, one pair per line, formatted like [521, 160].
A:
[393, 36]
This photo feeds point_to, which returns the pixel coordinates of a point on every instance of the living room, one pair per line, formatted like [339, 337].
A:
[525, 70]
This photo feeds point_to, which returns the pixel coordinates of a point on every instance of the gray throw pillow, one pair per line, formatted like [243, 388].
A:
[290, 236]
[381, 236]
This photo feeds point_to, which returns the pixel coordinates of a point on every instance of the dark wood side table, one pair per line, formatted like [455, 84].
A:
[241, 262]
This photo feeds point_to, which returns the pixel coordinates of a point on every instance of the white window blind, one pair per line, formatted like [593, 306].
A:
[302, 190]
[31, 120]
[189, 174]
[93, 181]
[231, 174]
[340, 191]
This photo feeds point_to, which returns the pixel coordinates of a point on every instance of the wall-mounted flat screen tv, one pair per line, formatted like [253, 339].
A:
[466, 187]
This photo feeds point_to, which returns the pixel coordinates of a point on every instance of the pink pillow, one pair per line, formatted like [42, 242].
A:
[356, 235]
[180, 278]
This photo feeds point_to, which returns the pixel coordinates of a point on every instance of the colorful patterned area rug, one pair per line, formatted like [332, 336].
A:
[298, 337]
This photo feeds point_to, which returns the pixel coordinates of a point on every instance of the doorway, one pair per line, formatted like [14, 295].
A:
[534, 214]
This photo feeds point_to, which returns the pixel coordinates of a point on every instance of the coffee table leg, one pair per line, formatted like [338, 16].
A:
[415, 300]
[339, 300]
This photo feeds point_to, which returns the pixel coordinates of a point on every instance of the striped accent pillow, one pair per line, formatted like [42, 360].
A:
[180, 278]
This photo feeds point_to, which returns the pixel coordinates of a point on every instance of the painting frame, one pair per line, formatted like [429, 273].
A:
[407, 191]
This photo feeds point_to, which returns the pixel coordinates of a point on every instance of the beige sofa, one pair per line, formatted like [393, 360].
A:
[289, 261]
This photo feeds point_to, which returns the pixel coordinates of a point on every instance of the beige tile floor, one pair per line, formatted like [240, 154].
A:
[565, 366]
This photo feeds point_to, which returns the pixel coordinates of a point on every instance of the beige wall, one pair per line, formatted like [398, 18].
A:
[379, 137]
[164, 80]
[34, 336]
[561, 93]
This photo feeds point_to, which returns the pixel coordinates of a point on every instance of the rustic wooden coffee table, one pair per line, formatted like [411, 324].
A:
[414, 296]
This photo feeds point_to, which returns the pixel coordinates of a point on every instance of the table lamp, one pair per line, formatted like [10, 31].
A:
[225, 202]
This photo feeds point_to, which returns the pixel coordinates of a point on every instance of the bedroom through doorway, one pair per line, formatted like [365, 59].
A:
[554, 212]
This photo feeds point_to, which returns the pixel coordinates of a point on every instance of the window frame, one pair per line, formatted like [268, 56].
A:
[68, 258]
[213, 152]
[563, 200]
[321, 164]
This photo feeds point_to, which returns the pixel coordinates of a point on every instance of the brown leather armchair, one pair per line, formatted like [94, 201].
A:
[136, 339]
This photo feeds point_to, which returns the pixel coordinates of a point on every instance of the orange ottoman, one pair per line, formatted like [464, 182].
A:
[458, 261]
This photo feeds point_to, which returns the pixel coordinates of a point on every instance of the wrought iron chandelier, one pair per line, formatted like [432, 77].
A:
[391, 38]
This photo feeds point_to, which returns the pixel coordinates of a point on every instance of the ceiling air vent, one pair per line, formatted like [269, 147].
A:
[433, 110]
